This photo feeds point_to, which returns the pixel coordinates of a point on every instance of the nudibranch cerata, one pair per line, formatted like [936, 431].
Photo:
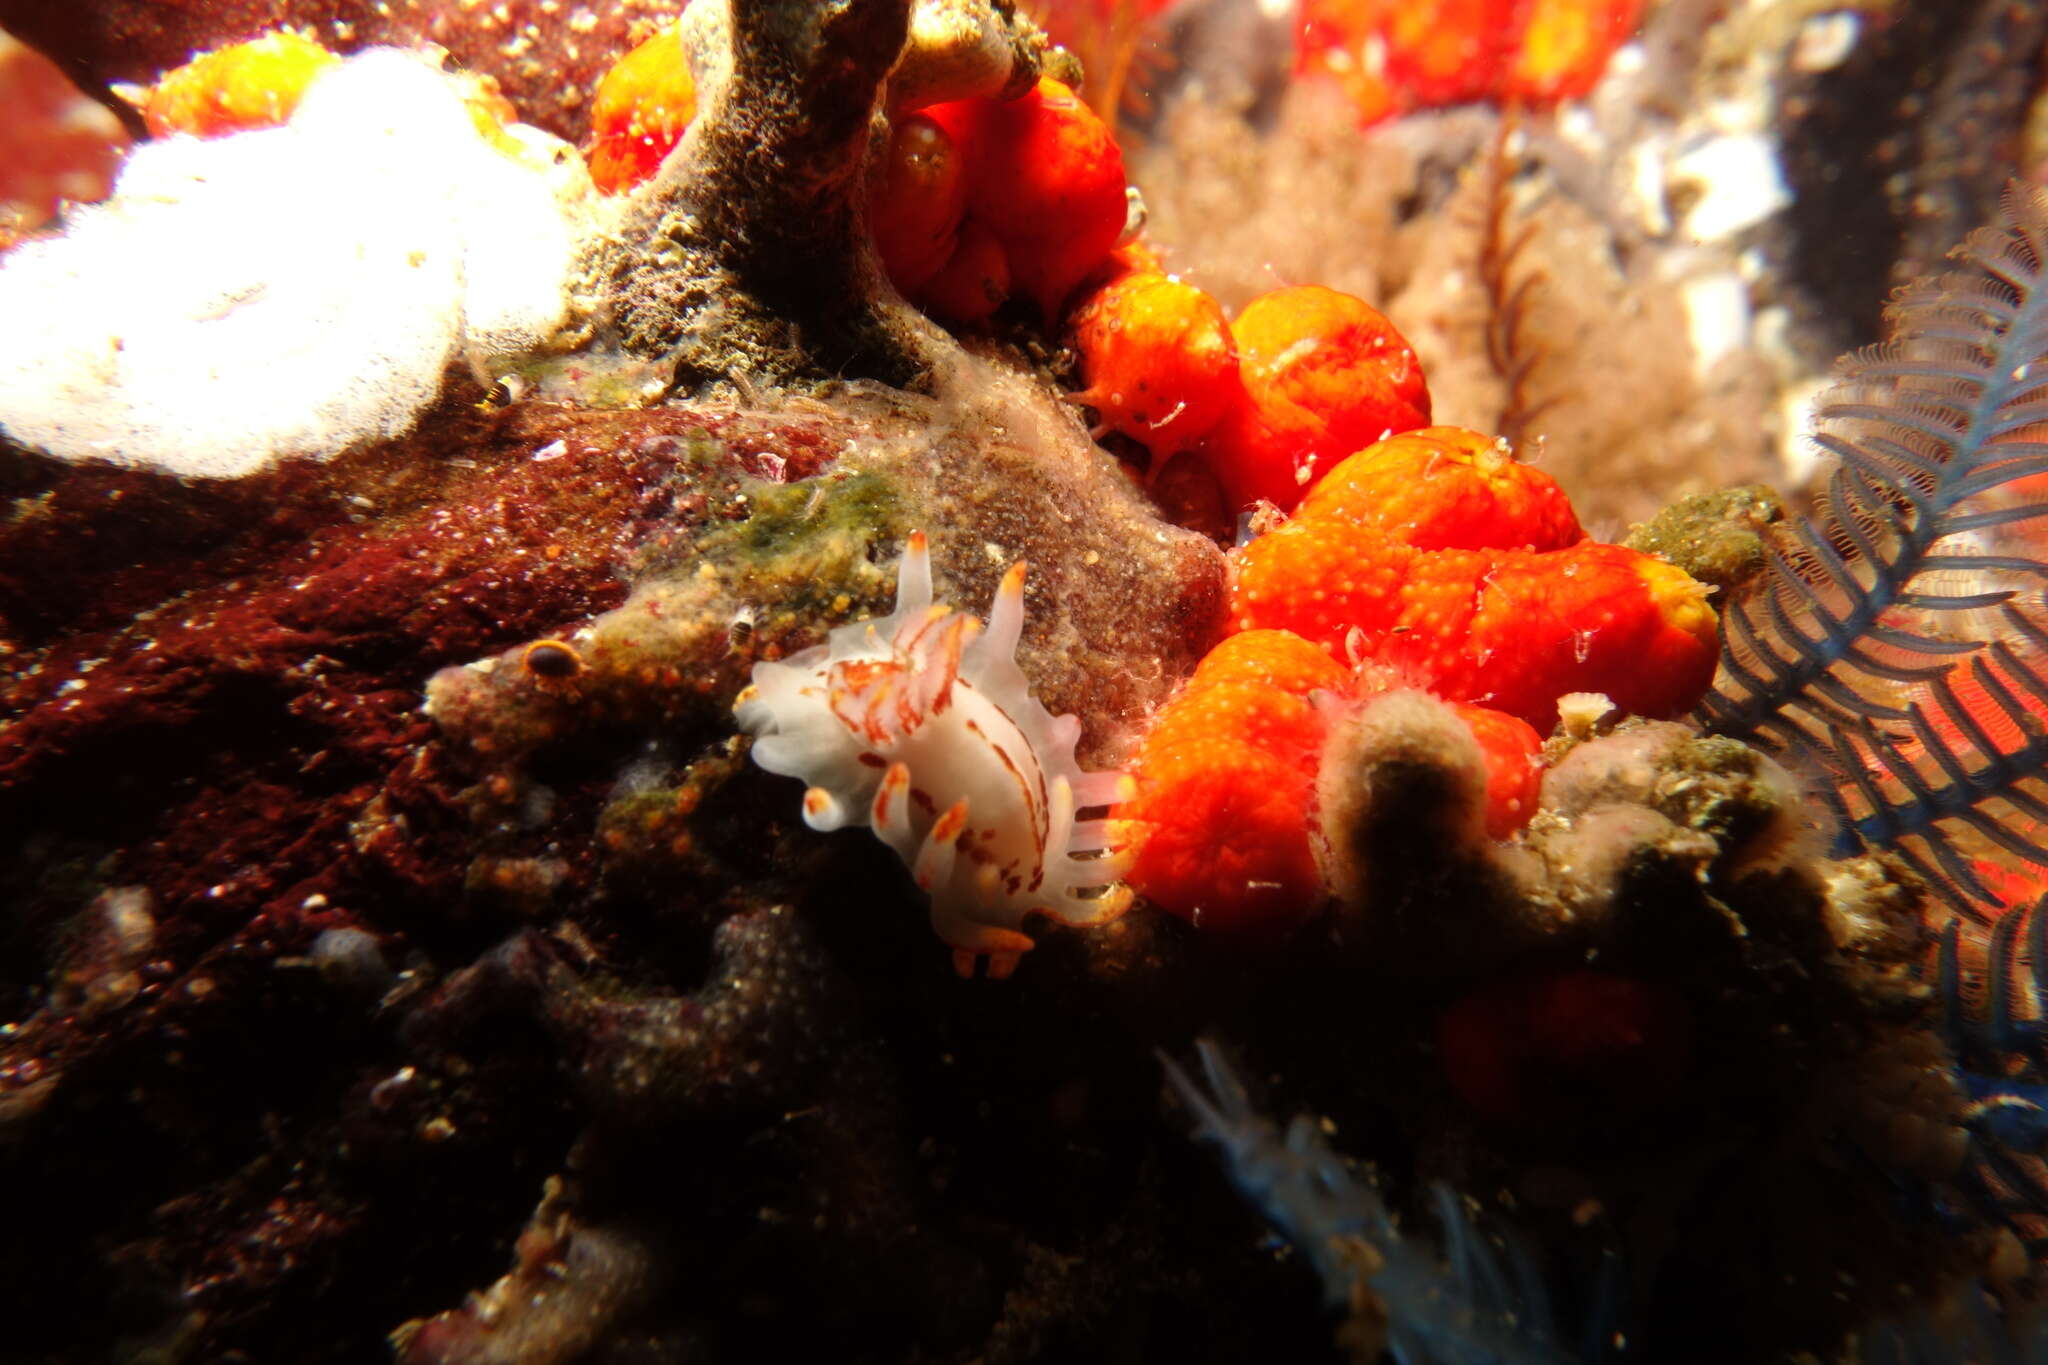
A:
[921, 725]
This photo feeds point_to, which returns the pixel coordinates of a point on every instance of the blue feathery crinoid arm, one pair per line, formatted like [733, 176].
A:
[1896, 647]
[1481, 1302]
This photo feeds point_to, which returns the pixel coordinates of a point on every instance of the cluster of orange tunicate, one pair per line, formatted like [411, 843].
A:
[1303, 377]
[1440, 554]
[978, 200]
[1222, 823]
[1394, 56]
[1434, 558]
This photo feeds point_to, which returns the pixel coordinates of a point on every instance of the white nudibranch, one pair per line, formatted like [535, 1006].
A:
[921, 725]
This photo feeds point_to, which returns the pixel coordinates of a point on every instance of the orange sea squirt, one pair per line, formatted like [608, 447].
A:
[1393, 56]
[1415, 554]
[1565, 1047]
[1565, 47]
[1591, 618]
[1446, 488]
[639, 112]
[916, 201]
[1324, 374]
[254, 84]
[1449, 51]
[972, 283]
[1224, 782]
[1514, 766]
[1222, 817]
[1158, 359]
[1045, 176]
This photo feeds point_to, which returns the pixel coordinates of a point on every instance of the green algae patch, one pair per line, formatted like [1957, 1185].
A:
[1717, 537]
[710, 601]
[808, 545]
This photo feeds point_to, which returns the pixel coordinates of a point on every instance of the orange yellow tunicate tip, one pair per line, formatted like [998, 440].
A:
[1323, 374]
[1276, 658]
[1590, 618]
[254, 84]
[1449, 51]
[1565, 46]
[639, 112]
[1158, 359]
[916, 200]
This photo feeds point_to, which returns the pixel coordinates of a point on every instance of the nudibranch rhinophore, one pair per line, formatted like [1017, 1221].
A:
[921, 725]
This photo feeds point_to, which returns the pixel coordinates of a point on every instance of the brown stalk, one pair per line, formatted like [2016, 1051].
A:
[1511, 346]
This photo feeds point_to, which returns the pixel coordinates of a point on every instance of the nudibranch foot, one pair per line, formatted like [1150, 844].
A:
[922, 726]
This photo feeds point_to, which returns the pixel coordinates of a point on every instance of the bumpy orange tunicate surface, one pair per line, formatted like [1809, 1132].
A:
[256, 84]
[1225, 781]
[917, 201]
[1509, 627]
[1223, 815]
[1158, 359]
[1394, 56]
[1323, 374]
[1046, 178]
[1514, 766]
[639, 112]
[1591, 618]
[1446, 488]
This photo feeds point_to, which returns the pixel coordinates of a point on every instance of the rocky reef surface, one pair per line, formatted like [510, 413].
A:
[402, 955]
